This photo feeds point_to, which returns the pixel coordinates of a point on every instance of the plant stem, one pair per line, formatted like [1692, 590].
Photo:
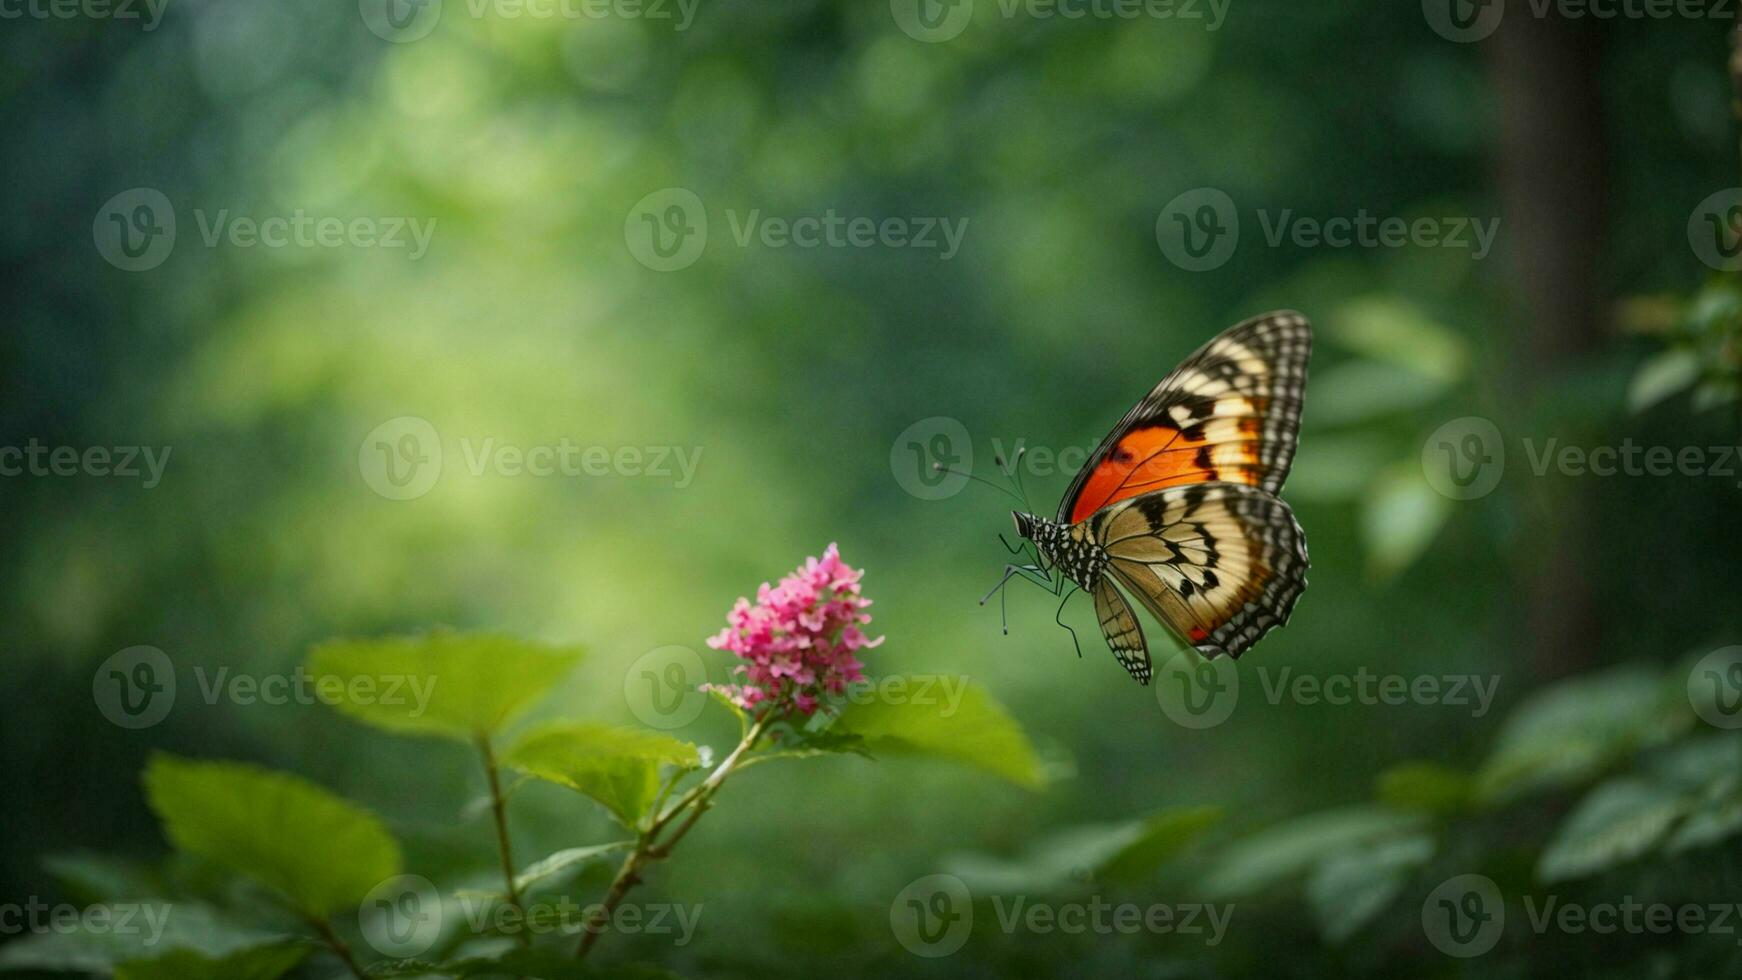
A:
[499, 806]
[337, 945]
[649, 847]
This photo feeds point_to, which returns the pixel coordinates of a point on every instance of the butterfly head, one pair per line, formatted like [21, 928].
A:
[1024, 523]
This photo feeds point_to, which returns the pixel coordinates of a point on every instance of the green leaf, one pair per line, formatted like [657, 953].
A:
[1426, 786]
[91, 878]
[1395, 332]
[1618, 821]
[976, 731]
[1711, 822]
[264, 963]
[1351, 887]
[160, 926]
[1568, 733]
[322, 852]
[457, 685]
[617, 767]
[1355, 392]
[1661, 376]
[1159, 838]
[1400, 517]
[566, 860]
[1293, 848]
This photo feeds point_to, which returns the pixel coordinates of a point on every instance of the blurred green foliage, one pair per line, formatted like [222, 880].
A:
[792, 371]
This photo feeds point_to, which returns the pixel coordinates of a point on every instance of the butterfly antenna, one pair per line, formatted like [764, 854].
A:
[1016, 468]
[941, 468]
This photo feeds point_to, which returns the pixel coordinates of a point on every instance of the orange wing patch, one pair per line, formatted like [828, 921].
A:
[1159, 456]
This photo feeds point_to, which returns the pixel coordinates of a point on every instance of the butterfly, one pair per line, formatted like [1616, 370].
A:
[1178, 505]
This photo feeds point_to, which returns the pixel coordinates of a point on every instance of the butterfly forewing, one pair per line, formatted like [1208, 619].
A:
[1229, 413]
[1220, 564]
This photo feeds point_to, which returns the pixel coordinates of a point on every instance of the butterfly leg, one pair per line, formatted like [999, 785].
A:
[1030, 573]
[1058, 617]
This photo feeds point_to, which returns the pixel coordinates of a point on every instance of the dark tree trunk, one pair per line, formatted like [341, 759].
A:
[1553, 187]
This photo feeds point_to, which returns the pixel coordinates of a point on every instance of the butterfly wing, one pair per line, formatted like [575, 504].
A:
[1119, 626]
[1219, 564]
[1230, 413]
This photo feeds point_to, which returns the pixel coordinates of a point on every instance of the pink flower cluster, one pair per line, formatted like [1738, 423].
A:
[799, 639]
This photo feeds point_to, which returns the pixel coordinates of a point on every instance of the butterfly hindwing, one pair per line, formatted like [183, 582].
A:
[1229, 413]
[1220, 564]
[1124, 635]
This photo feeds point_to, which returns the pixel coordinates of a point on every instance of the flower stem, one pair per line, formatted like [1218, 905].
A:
[499, 807]
[650, 847]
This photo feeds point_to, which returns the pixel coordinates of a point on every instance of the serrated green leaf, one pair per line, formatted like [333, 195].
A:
[976, 731]
[566, 860]
[617, 767]
[1616, 822]
[322, 852]
[1293, 848]
[1351, 887]
[265, 963]
[456, 685]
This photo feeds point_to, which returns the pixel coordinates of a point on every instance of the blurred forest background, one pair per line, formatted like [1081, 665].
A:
[796, 371]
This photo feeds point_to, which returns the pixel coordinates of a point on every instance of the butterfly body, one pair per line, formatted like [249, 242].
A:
[1179, 505]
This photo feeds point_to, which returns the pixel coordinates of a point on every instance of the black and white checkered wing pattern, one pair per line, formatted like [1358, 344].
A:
[1220, 564]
